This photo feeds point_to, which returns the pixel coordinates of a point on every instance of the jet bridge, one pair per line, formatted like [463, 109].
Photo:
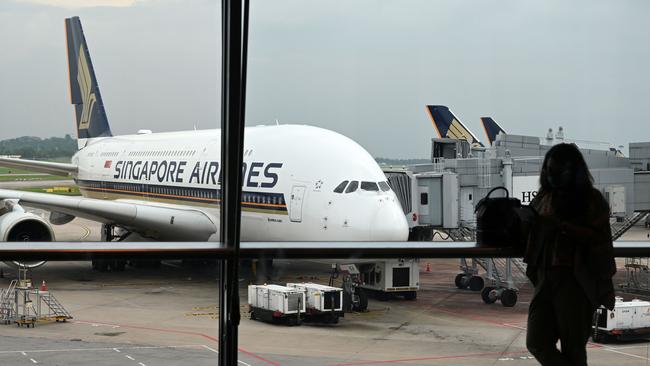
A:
[429, 200]
[439, 198]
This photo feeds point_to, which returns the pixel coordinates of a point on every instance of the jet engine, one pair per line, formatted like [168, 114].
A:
[18, 225]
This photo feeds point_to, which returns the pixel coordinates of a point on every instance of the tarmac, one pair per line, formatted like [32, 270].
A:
[169, 316]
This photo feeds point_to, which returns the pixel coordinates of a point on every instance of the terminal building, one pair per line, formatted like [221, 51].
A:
[439, 198]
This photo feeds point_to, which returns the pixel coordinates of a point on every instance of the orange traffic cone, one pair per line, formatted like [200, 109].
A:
[428, 267]
[43, 286]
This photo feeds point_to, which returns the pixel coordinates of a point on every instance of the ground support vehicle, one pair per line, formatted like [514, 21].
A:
[276, 304]
[324, 304]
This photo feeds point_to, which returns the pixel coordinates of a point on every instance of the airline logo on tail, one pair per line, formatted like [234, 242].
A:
[492, 129]
[85, 85]
[448, 126]
[90, 115]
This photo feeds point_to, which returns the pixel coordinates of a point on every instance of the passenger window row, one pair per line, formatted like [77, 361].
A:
[179, 153]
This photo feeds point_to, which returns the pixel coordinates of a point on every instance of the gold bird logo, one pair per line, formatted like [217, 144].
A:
[85, 85]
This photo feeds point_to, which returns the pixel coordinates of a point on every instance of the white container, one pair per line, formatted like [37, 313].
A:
[320, 298]
[279, 300]
[629, 319]
[397, 276]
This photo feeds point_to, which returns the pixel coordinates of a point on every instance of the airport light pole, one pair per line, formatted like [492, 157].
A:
[234, 15]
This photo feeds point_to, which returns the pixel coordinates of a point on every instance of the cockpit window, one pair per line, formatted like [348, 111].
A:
[369, 186]
[341, 187]
[384, 186]
[352, 187]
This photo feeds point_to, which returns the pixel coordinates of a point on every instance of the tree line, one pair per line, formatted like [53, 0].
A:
[30, 147]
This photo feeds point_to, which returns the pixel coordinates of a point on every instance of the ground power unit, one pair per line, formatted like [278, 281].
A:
[629, 320]
[276, 304]
[324, 303]
[386, 278]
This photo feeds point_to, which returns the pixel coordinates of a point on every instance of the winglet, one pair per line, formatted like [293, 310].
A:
[449, 126]
[492, 129]
[84, 91]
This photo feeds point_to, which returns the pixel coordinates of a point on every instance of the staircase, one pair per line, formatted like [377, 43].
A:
[57, 311]
[7, 303]
[619, 228]
[499, 270]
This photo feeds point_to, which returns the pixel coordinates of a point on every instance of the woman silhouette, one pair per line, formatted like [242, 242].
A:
[570, 259]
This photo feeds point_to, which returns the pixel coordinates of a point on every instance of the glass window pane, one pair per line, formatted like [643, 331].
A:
[369, 186]
[341, 187]
[352, 186]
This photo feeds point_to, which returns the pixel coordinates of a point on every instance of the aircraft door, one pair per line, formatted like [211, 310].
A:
[295, 209]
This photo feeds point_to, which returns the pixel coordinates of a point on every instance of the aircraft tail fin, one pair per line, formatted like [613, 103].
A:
[492, 129]
[449, 126]
[84, 90]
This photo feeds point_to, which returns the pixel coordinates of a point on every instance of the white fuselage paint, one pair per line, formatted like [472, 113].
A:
[290, 174]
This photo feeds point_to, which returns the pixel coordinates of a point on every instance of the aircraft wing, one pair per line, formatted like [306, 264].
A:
[39, 166]
[149, 219]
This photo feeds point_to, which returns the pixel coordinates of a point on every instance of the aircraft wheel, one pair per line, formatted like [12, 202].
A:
[459, 281]
[476, 283]
[487, 296]
[508, 298]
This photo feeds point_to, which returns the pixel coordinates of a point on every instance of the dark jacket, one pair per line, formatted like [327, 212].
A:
[593, 258]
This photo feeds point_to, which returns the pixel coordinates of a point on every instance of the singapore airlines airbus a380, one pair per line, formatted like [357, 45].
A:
[301, 183]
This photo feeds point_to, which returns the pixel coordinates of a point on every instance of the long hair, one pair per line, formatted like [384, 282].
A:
[581, 182]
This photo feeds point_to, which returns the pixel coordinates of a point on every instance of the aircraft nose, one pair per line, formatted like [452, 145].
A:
[389, 223]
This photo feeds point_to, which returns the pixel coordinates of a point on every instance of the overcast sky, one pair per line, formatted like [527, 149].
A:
[364, 68]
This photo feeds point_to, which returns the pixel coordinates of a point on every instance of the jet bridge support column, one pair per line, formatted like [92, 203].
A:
[507, 175]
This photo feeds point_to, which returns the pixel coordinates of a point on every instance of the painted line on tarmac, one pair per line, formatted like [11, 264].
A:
[87, 234]
[513, 326]
[215, 351]
[433, 358]
[24, 353]
[626, 354]
[627, 347]
[197, 334]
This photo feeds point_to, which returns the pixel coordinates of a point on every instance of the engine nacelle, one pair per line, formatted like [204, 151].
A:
[18, 225]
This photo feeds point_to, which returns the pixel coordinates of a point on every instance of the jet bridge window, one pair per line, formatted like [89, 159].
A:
[341, 187]
[369, 186]
[384, 186]
[352, 187]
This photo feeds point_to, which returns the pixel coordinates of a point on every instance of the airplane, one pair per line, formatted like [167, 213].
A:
[491, 128]
[449, 126]
[300, 183]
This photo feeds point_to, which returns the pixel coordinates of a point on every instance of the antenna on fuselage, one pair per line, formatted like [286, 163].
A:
[277, 123]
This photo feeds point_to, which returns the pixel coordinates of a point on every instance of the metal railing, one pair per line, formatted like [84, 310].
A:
[57, 251]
